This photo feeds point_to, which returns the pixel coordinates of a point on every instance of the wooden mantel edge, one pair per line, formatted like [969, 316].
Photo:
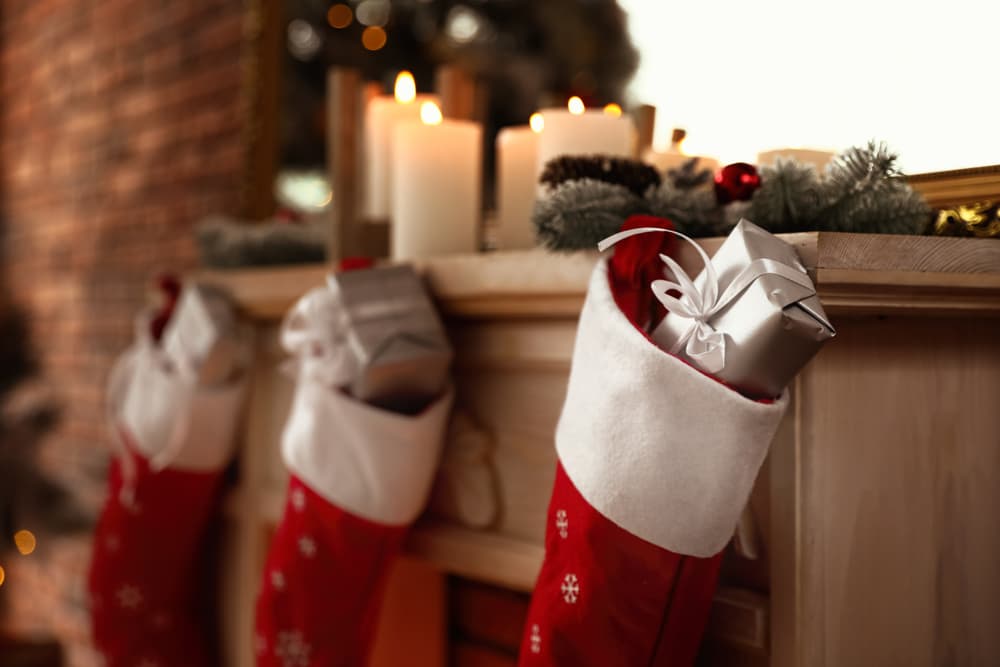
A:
[854, 273]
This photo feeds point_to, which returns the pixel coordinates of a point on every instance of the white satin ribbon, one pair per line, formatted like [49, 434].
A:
[700, 341]
[315, 333]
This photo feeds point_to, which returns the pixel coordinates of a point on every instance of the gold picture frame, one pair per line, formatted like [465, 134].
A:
[944, 189]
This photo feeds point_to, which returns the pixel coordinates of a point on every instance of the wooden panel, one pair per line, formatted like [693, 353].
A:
[514, 345]
[479, 555]
[898, 539]
[911, 254]
[344, 110]
[413, 621]
[784, 534]
[739, 617]
[520, 409]
[488, 615]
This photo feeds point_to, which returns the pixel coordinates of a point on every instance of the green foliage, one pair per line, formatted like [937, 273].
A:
[575, 215]
[865, 192]
[789, 197]
[861, 191]
[695, 212]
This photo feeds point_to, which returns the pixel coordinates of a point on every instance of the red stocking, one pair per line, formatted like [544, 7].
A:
[145, 579]
[360, 476]
[656, 461]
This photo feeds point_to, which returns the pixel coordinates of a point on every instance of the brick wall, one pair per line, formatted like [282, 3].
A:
[121, 123]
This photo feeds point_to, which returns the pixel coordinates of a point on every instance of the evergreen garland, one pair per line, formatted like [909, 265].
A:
[861, 191]
[575, 213]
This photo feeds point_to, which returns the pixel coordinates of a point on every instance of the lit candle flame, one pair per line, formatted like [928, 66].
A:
[430, 114]
[406, 87]
[576, 106]
[613, 110]
[537, 122]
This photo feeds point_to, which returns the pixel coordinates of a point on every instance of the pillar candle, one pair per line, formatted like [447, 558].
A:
[382, 115]
[517, 155]
[575, 131]
[664, 161]
[437, 181]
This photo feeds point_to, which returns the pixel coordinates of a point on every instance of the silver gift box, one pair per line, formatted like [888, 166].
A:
[396, 336]
[771, 329]
[202, 333]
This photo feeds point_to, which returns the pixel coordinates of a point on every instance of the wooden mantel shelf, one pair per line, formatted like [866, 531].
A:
[855, 274]
[480, 555]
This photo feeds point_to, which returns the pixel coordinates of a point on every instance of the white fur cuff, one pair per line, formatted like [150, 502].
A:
[159, 407]
[652, 444]
[371, 462]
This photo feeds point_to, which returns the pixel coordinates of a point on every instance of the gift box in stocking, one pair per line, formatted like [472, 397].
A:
[360, 473]
[175, 435]
[656, 462]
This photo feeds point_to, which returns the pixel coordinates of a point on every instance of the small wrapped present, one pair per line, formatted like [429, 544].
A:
[200, 332]
[375, 332]
[396, 335]
[751, 318]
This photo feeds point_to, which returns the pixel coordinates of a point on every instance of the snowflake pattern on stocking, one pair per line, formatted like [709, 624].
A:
[292, 650]
[278, 580]
[307, 546]
[562, 523]
[536, 639]
[129, 597]
[298, 499]
[570, 589]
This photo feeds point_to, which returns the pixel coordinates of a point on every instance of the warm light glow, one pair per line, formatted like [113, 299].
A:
[537, 122]
[373, 38]
[613, 110]
[406, 87]
[3, 576]
[430, 114]
[575, 106]
[25, 541]
[340, 16]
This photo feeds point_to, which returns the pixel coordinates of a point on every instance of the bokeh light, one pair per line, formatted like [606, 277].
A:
[576, 106]
[374, 13]
[373, 38]
[340, 16]
[25, 541]
[613, 110]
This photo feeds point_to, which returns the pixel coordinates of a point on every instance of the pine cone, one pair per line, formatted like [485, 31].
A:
[632, 174]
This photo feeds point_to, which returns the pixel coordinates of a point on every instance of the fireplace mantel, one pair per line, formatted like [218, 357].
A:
[857, 501]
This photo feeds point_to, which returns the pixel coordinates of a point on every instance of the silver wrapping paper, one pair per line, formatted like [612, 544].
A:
[202, 332]
[396, 336]
[771, 329]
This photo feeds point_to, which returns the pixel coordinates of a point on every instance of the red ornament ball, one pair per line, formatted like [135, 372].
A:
[736, 182]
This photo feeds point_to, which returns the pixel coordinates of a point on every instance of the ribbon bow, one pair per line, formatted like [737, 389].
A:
[315, 332]
[701, 342]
